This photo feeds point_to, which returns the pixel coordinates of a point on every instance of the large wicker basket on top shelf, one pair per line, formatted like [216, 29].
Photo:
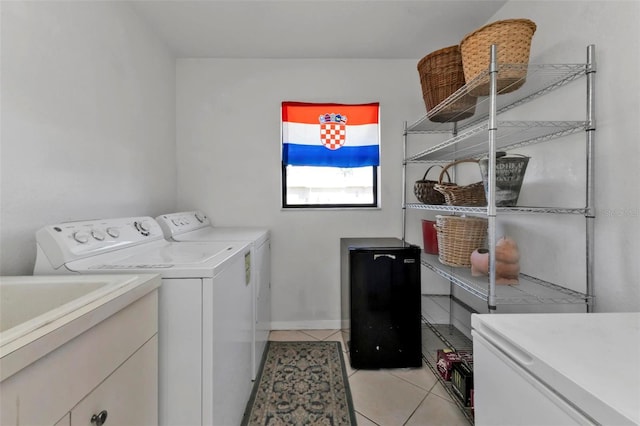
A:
[441, 75]
[513, 40]
[458, 237]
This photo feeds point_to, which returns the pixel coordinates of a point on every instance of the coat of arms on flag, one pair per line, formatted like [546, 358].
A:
[333, 130]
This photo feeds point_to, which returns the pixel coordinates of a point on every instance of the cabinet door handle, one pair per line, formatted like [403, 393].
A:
[100, 418]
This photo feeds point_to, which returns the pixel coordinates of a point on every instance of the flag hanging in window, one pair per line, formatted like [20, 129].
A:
[330, 135]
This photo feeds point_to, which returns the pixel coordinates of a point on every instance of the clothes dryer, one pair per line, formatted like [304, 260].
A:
[196, 226]
[205, 308]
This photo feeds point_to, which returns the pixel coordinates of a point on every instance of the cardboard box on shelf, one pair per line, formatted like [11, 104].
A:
[462, 381]
[446, 358]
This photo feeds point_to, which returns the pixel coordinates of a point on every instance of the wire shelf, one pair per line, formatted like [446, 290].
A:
[540, 79]
[472, 143]
[502, 210]
[530, 290]
[440, 336]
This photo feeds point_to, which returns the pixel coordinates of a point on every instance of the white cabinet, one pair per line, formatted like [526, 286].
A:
[520, 398]
[127, 395]
[552, 370]
[112, 366]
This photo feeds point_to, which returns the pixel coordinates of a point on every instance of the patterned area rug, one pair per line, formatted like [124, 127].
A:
[301, 383]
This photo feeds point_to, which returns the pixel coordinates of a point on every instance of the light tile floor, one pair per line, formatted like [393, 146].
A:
[390, 397]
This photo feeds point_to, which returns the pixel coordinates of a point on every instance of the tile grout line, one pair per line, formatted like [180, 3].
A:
[416, 409]
[414, 384]
[376, 424]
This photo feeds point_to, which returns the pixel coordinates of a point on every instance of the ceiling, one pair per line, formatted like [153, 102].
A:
[394, 29]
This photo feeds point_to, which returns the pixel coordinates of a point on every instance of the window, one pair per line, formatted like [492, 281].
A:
[330, 155]
[330, 186]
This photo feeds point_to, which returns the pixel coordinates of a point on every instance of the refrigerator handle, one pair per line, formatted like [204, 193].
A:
[501, 343]
[391, 256]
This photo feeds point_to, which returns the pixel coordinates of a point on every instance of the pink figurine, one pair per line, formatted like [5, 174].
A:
[507, 261]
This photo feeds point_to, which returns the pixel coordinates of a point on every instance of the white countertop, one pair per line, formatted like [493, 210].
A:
[593, 360]
[41, 313]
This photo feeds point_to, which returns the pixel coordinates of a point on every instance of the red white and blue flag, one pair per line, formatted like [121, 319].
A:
[330, 135]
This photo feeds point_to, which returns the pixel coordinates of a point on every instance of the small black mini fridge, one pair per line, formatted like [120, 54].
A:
[384, 319]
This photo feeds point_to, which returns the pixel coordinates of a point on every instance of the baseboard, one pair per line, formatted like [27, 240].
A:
[306, 325]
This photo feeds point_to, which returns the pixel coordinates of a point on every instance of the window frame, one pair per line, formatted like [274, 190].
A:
[286, 205]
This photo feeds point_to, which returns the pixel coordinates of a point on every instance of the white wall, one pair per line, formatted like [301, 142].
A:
[228, 129]
[88, 124]
[229, 159]
[88, 120]
[564, 30]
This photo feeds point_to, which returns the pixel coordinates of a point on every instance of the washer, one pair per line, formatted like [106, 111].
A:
[196, 226]
[205, 308]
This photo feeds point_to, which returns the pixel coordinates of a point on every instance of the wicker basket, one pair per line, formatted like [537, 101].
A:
[509, 176]
[458, 237]
[513, 38]
[441, 75]
[456, 195]
[424, 191]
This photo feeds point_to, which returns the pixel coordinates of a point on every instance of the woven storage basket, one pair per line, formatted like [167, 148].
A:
[456, 195]
[458, 237]
[441, 75]
[509, 176]
[513, 38]
[424, 191]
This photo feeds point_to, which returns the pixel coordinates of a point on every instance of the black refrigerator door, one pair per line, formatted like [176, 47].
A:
[385, 308]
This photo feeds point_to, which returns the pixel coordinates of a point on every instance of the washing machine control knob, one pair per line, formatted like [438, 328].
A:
[141, 227]
[81, 236]
[113, 232]
[97, 234]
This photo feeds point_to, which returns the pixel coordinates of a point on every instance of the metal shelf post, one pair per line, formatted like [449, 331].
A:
[590, 204]
[491, 176]
[404, 183]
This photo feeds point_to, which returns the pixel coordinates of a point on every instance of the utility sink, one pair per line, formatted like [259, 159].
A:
[40, 313]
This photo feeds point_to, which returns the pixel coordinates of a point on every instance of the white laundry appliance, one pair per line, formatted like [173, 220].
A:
[556, 369]
[196, 226]
[205, 309]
